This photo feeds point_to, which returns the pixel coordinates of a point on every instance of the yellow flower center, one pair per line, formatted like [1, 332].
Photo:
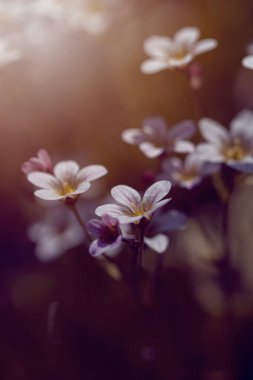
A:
[235, 151]
[187, 176]
[66, 189]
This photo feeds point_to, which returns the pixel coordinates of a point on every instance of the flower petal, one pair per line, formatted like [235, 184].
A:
[81, 188]
[132, 136]
[91, 172]
[112, 209]
[242, 125]
[127, 196]
[158, 243]
[205, 45]
[213, 132]
[184, 146]
[157, 46]
[181, 62]
[155, 126]
[248, 62]
[94, 226]
[95, 250]
[151, 66]
[48, 195]
[150, 150]
[182, 130]
[187, 36]
[66, 171]
[155, 193]
[170, 221]
[209, 153]
[43, 180]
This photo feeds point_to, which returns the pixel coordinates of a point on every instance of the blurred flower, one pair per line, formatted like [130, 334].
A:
[234, 147]
[248, 62]
[187, 173]
[68, 181]
[108, 234]
[41, 163]
[168, 221]
[155, 138]
[178, 52]
[55, 235]
[8, 53]
[158, 243]
[132, 207]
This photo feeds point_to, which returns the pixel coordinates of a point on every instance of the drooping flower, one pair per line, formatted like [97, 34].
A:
[41, 163]
[176, 52]
[233, 147]
[187, 173]
[108, 234]
[67, 180]
[55, 234]
[132, 207]
[156, 138]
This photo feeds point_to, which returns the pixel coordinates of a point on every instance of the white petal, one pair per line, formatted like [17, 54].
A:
[95, 250]
[66, 171]
[193, 161]
[157, 206]
[157, 46]
[111, 209]
[150, 150]
[48, 195]
[187, 36]
[213, 132]
[91, 172]
[209, 153]
[248, 62]
[242, 125]
[183, 146]
[158, 243]
[151, 66]
[181, 62]
[132, 136]
[182, 130]
[81, 188]
[43, 180]
[205, 45]
[127, 196]
[155, 193]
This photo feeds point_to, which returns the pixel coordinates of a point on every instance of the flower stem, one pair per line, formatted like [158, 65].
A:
[75, 211]
[140, 249]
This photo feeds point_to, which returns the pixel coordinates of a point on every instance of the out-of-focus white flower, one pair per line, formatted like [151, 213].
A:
[8, 52]
[41, 163]
[234, 147]
[176, 52]
[132, 207]
[248, 62]
[55, 235]
[158, 243]
[156, 139]
[67, 180]
[187, 173]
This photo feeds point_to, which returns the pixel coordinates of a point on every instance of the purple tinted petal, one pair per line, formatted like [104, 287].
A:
[213, 132]
[155, 126]
[94, 226]
[182, 130]
[133, 136]
[183, 146]
[170, 221]
[127, 196]
[95, 250]
[150, 150]
[109, 220]
[155, 193]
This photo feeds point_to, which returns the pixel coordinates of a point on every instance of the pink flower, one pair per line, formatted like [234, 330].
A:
[132, 207]
[41, 163]
[67, 180]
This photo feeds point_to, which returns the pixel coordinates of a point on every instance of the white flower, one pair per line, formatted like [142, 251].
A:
[176, 52]
[156, 138]
[248, 62]
[234, 147]
[8, 53]
[67, 180]
[132, 207]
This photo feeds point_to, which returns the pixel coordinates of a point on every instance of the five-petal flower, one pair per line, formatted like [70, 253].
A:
[132, 207]
[156, 139]
[67, 180]
[176, 52]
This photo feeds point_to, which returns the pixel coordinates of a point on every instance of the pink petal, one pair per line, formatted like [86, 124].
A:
[91, 172]
[157, 46]
[43, 180]
[127, 196]
[66, 171]
[205, 45]
[151, 66]
[155, 193]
